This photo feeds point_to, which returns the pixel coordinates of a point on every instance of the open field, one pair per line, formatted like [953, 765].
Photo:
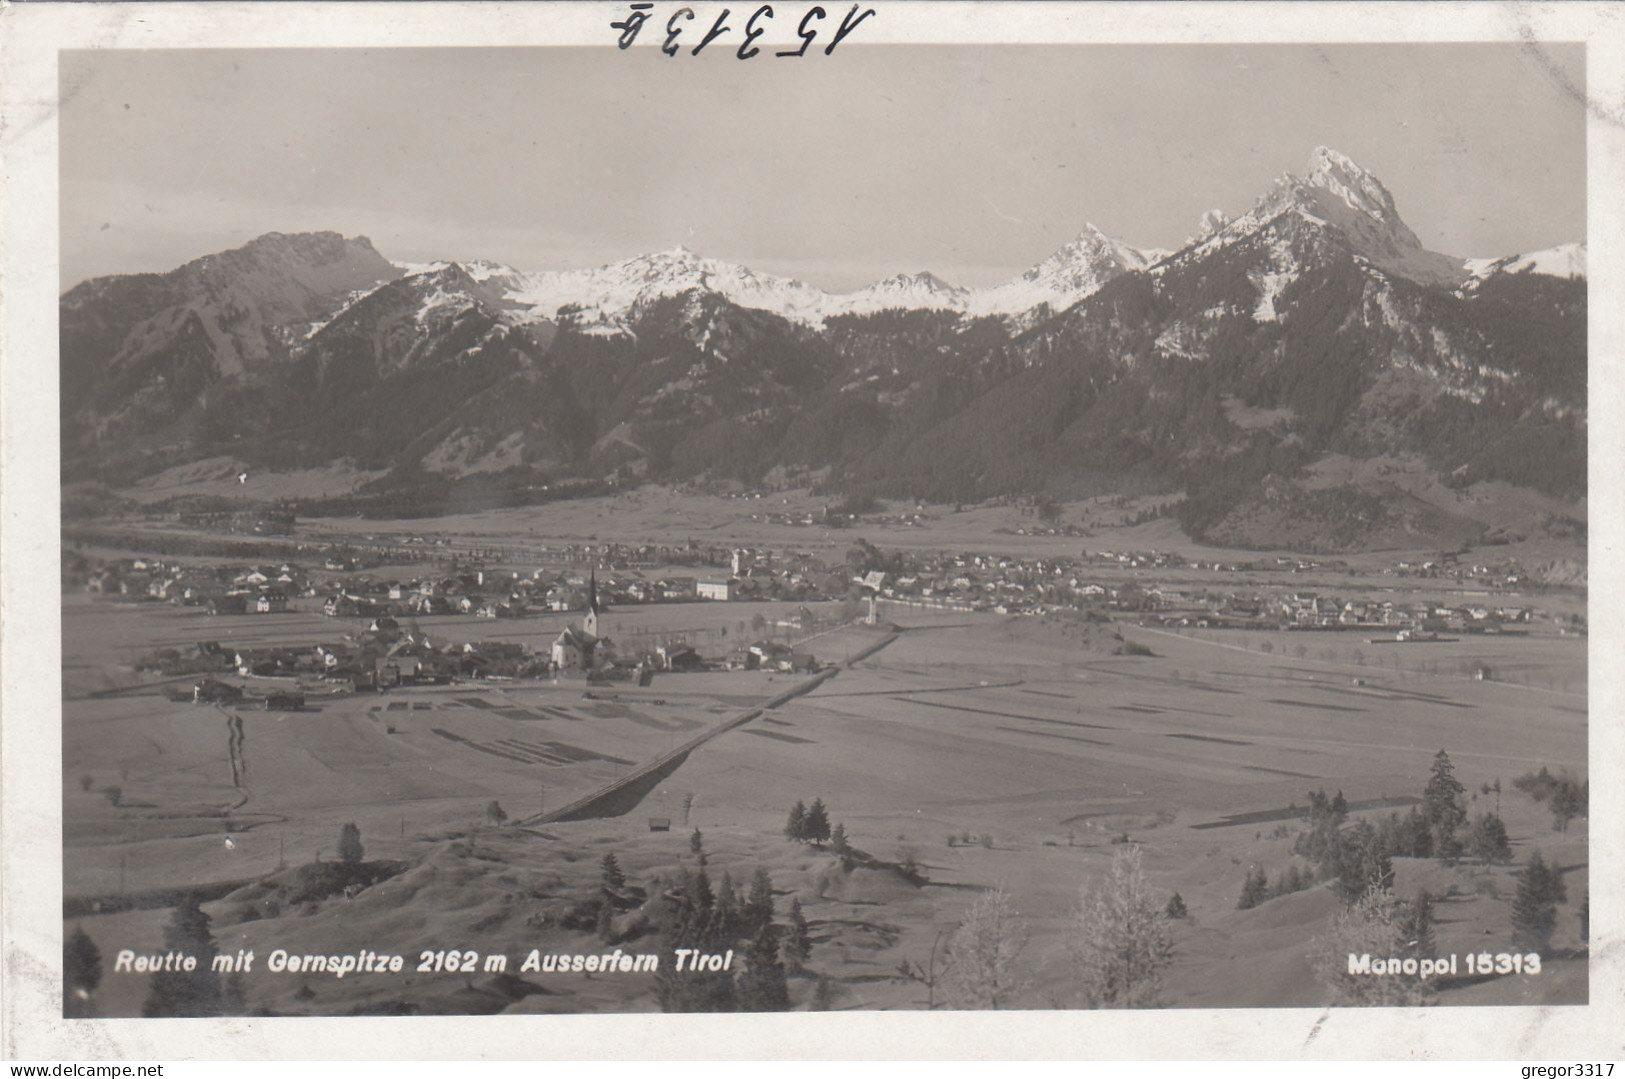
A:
[964, 724]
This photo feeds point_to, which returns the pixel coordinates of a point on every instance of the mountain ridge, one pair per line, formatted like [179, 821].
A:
[1103, 364]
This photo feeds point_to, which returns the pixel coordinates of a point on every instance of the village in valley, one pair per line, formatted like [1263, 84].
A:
[378, 642]
[500, 703]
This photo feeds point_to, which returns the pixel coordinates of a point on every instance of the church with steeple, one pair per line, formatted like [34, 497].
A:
[589, 622]
[584, 648]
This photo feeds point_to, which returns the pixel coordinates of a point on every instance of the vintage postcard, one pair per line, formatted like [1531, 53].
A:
[896, 510]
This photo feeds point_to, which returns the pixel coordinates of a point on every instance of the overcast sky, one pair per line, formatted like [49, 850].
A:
[973, 162]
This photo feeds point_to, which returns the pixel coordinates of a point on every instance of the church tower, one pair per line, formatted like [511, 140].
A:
[590, 621]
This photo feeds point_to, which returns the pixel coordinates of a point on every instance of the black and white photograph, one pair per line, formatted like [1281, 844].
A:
[744, 512]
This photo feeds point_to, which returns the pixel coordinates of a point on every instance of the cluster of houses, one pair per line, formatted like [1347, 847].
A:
[380, 656]
[502, 594]
[1447, 566]
[744, 574]
[1314, 611]
[387, 654]
[263, 589]
[1011, 585]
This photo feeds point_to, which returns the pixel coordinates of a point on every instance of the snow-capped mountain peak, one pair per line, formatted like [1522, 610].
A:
[602, 297]
[922, 291]
[1087, 260]
[1335, 201]
[1075, 271]
[484, 270]
[1212, 223]
[925, 279]
[1337, 174]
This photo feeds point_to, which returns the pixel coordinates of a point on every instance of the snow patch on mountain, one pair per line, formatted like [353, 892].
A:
[415, 269]
[1564, 260]
[1281, 270]
[1269, 287]
[355, 297]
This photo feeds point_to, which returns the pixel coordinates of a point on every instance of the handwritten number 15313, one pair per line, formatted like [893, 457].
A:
[753, 28]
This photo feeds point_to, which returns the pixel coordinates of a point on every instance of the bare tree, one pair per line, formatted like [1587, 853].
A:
[926, 975]
[1368, 926]
[982, 953]
[1121, 943]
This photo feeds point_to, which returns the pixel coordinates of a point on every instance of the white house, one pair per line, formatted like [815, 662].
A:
[718, 590]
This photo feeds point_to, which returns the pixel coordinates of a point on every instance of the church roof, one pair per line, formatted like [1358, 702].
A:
[577, 636]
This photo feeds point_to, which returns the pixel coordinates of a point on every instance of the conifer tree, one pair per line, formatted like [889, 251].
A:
[350, 850]
[686, 990]
[1442, 799]
[725, 915]
[1176, 908]
[704, 898]
[196, 993]
[614, 879]
[1415, 923]
[696, 842]
[759, 904]
[762, 986]
[796, 939]
[816, 826]
[1254, 889]
[681, 926]
[837, 841]
[81, 973]
[796, 827]
[1416, 838]
[1534, 908]
[1488, 841]
[1361, 863]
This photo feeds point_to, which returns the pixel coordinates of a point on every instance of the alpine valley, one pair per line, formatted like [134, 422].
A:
[1305, 376]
